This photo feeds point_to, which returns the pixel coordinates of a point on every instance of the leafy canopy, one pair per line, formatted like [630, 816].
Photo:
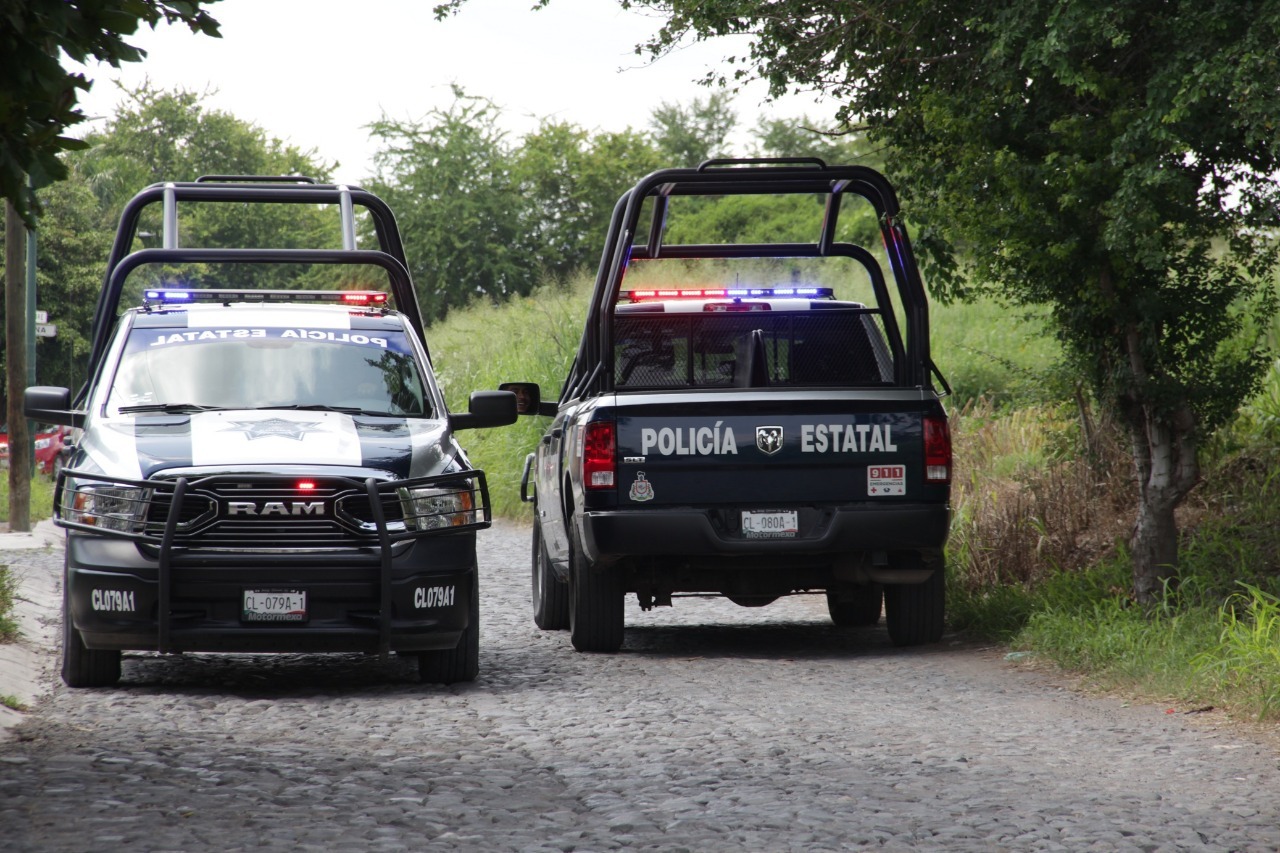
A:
[38, 96]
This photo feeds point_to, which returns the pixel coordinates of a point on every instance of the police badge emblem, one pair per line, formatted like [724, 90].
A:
[641, 489]
[769, 439]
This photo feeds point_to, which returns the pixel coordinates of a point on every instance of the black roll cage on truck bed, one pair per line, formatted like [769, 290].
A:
[232, 189]
[753, 176]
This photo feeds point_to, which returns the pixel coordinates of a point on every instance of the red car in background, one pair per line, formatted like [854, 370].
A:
[49, 441]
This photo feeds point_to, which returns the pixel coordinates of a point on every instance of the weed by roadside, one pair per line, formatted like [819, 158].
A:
[41, 508]
[13, 703]
[41, 498]
[8, 588]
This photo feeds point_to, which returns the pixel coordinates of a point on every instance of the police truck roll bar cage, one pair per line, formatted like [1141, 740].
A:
[232, 189]
[629, 240]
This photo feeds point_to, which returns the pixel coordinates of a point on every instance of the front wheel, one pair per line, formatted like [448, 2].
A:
[550, 594]
[82, 666]
[915, 613]
[461, 663]
[596, 602]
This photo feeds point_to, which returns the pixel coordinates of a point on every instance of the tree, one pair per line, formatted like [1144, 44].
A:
[775, 137]
[687, 135]
[571, 180]
[71, 248]
[167, 135]
[157, 136]
[38, 96]
[466, 227]
[1113, 161]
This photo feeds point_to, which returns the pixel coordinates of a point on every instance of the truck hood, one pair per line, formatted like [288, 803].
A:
[142, 446]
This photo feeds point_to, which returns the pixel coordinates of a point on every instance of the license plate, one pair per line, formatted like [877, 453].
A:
[274, 605]
[779, 524]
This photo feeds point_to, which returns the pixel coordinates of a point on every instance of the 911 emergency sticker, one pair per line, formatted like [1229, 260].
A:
[886, 480]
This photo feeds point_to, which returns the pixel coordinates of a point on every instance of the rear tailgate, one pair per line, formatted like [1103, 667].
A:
[773, 449]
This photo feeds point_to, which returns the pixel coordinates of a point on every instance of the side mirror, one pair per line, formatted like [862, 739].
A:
[51, 405]
[529, 398]
[486, 409]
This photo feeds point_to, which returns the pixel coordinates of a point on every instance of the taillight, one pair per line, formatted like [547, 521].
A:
[598, 467]
[937, 450]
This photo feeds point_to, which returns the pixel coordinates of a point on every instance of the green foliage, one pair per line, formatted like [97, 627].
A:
[169, 136]
[8, 589]
[806, 138]
[38, 96]
[570, 180]
[450, 182]
[41, 498]
[159, 136]
[538, 337]
[1247, 658]
[1211, 640]
[1004, 356]
[687, 135]
[71, 247]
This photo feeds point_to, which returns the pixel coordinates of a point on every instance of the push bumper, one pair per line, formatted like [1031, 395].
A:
[115, 593]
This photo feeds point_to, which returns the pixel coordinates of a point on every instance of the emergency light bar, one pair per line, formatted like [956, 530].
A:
[168, 296]
[726, 293]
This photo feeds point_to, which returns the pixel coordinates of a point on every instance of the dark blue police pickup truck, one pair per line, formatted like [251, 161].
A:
[751, 420]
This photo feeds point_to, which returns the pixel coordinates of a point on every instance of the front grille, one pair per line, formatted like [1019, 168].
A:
[274, 514]
[271, 513]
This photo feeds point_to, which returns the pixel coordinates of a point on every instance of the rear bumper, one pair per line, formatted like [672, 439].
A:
[692, 533]
[114, 594]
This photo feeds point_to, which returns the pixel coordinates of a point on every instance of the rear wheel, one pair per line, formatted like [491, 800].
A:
[461, 663]
[81, 666]
[596, 603]
[914, 613]
[856, 608]
[550, 594]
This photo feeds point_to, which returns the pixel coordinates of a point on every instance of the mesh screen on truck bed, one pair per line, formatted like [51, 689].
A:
[750, 349]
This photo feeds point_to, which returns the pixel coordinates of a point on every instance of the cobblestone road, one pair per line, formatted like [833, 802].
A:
[716, 728]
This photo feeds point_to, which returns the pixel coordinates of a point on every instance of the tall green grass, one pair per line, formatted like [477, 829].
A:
[41, 506]
[8, 589]
[528, 339]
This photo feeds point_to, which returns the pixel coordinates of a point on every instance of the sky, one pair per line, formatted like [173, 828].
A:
[315, 73]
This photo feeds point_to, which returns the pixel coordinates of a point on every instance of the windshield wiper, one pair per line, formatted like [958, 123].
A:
[169, 408]
[324, 407]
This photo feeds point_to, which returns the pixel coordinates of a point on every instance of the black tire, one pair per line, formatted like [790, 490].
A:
[81, 666]
[550, 594]
[861, 610]
[596, 600]
[461, 663]
[915, 613]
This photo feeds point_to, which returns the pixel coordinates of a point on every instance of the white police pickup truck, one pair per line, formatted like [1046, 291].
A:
[747, 419]
[266, 470]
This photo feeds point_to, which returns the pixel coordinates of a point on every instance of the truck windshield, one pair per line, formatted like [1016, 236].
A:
[258, 368]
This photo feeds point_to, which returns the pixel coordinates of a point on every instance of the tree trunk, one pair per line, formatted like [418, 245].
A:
[15, 320]
[1164, 452]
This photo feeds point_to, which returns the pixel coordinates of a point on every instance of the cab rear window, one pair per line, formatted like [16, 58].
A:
[831, 347]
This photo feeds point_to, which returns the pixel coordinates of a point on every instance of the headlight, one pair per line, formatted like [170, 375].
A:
[119, 508]
[42, 443]
[436, 509]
